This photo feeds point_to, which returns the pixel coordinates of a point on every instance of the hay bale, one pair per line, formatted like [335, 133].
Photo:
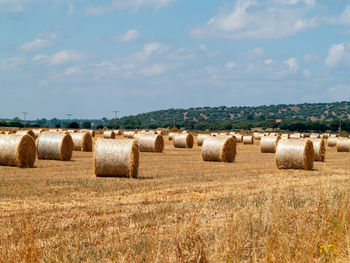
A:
[37, 132]
[116, 158]
[319, 146]
[273, 134]
[117, 132]
[129, 134]
[150, 142]
[239, 138]
[214, 134]
[223, 134]
[257, 136]
[248, 139]
[184, 132]
[17, 150]
[82, 141]
[332, 141]
[2, 132]
[92, 132]
[201, 138]
[268, 144]
[295, 136]
[109, 135]
[26, 132]
[295, 154]
[333, 136]
[54, 146]
[325, 136]
[219, 149]
[171, 135]
[343, 145]
[183, 140]
[314, 136]
[72, 131]
[285, 136]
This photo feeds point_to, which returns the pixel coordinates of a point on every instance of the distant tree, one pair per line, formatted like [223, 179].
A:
[100, 126]
[58, 125]
[87, 125]
[73, 125]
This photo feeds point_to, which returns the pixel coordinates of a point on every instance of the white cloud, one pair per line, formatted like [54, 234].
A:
[345, 16]
[12, 6]
[339, 92]
[310, 58]
[40, 57]
[306, 73]
[154, 70]
[38, 43]
[230, 65]
[71, 9]
[295, 2]
[268, 61]
[12, 62]
[338, 55]
[125, 4]
[261, 20]
[65, 56]
[149, 48]
[131, 35]
[292, 65]
[203, 47]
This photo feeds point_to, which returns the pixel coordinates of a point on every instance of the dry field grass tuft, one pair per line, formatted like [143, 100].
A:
[180, 209]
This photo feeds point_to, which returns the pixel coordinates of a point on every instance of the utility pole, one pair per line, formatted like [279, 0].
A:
[24, 115]
[68, 115]
[246, 121]
[340, 125]
[115, 119]
[174, 123]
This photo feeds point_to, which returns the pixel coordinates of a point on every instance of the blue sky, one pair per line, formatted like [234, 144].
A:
[89, 58]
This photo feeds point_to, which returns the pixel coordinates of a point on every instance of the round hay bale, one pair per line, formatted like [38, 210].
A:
[184, 132]
[268, 144]
[214, 134]
[223, 134]
[54, 146]
[285, 136]
[314, 136]
[219, 149]
[109, 135]
[273, 134]
[257, 136]
[117, 132]
[333, 136]
[82, 141]
[183, 140]
[239, 138]
[116, 158]
[129, 134]
[332, 141]
[201, 138]
[72, 131]
[150, 142]
[343, 145]
[171, 135]
[2, 132]
[319, 149]
[325, 136]
[248, 139]
[295, 136]
[92, 132]
[37, 132]
[26, 132]
[17, 150]
[295, 154]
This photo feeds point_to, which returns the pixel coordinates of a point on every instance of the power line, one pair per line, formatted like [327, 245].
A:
[115, 118]
[68, 115]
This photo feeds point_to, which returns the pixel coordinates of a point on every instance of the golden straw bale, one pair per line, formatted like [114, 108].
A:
[54, 146]
[183, 140]
[248, 139]
[268, 144]
[319, 149]
[232, 133]
[82, 141]
[285, 136]
[295, 136]
[214, 134]
[92, 132]
[117, 132]
[332, 141]
[314, 136]
[325, 136]
[17, 150]
[184, 132]
[72, 131]
[222, 133]
[257, 136]
[37, 132]
[129, 134]
[333, 136]
[150, 142]
[343, 145]
[239, 138]
[219, 149]
[2, 132]
[109, 135]
[116, 158]
[26, 132]
[201, 138]
[295, 154]
[273, 134]
[171, 135]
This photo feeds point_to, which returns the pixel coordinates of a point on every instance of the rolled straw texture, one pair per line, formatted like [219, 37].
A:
[183, 140]
[117, 132]
[82, 141]
[171, 135]
[343, 145]
[150, 142]
[17, 150]
[219, 149]
[54, 146]
[37, 132]
[239, 137]
[332, 141]
[116, 158]
[26, 132]
[268, 144]
[319, 149]
[248, 139]
[295, 154]
[201, 138]
[109, 135]
[295, 136]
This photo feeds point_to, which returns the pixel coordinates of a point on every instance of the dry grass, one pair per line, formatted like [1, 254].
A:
[181, 209]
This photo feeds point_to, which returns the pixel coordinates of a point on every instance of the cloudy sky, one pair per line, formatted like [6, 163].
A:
[90, 57]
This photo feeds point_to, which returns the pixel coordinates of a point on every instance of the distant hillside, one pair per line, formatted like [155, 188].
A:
[298, 112]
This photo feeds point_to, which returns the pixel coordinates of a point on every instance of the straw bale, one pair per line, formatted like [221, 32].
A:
[343, 145]
[171, 135]
[117, 132]
[17, 150]
[333, 136]
[219, 149]
[248, 139]
[295, 136]
[201, 138]
[285, 136]
[325, 136]
[54, 146]
[222, 133]
[116, 158]
[183, 140]
[82, 141]
[37, 132]
[314, 136]
[72, 131]
[295, 154]
[92, 132]
[109, 135]
[214, 134]
[257, 136]
[273, 134]
[319, 149]
[150, 142]
[2, 132]
[129, 134]
[268, 144]
[26, 132]
[184, 132]
[332, 141]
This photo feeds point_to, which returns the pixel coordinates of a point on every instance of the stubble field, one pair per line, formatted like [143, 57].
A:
[180, 209]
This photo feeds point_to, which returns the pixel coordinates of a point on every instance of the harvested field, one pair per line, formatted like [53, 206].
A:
[180, 209]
